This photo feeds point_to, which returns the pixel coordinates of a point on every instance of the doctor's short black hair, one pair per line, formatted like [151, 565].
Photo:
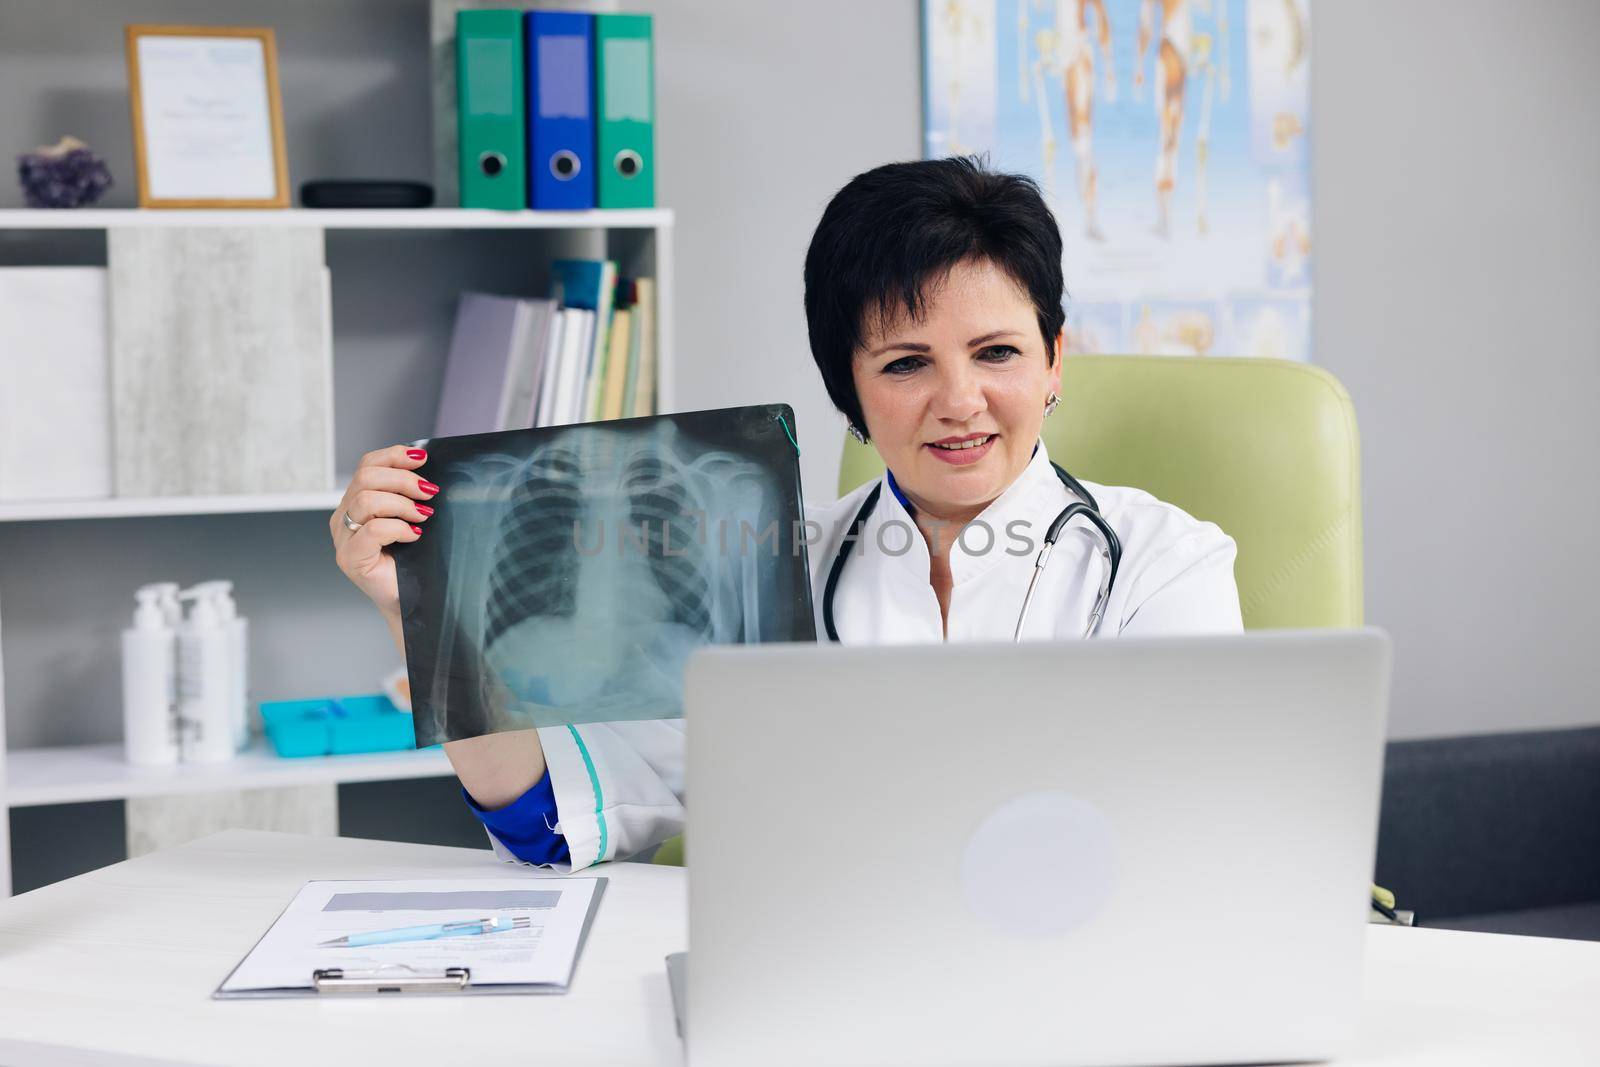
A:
[899, 228]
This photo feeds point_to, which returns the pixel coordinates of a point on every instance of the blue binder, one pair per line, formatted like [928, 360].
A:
[560, 48]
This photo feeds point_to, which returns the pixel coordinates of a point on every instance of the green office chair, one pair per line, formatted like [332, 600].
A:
[1266, 449]
[670, 853]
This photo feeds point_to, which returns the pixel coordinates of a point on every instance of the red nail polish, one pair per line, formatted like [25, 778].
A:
[416, 453]
[417, 530]
[425, 509]
[428, 487]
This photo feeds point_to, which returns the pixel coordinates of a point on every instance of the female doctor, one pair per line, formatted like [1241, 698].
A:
[933, 294]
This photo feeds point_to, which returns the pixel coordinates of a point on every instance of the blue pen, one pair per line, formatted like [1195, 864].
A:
[433, 931]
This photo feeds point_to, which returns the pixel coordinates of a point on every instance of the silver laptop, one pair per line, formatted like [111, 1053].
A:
[1129, 852]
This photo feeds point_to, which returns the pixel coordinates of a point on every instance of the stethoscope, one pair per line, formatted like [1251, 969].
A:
[1084, 506]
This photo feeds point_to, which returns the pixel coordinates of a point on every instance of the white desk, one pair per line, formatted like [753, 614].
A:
[118, 966]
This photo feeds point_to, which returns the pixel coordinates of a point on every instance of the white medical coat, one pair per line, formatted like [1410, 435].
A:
[619, 787]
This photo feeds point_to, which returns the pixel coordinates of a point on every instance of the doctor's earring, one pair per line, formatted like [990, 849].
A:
[859, 434]
[1051, 402]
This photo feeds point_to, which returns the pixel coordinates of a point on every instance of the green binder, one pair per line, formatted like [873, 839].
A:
[624, 111]
[493, 156]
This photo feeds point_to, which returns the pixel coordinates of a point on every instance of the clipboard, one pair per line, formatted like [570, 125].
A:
[401, 976]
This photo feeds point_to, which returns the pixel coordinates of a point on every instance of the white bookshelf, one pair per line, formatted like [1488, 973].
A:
[79, 773]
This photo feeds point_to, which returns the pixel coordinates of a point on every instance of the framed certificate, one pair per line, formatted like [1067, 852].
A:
[207, 121]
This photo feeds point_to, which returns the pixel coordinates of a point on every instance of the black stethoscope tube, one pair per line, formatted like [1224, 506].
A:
[1088, 509]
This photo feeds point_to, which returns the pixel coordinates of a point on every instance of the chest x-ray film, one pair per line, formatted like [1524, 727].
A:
[567, 573]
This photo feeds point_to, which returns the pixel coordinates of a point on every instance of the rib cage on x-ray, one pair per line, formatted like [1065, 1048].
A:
[531, 573]
[583, 574]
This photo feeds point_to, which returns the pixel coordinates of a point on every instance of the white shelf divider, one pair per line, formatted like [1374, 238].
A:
[76, 773]
[339, 218]
[136, 507]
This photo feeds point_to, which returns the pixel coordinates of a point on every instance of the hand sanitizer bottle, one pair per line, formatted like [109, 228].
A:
[238, 627]
[167, 599]
[149, 727]
[205, 685]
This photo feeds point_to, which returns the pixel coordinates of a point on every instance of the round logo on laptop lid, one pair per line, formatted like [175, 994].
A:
[1039, 865]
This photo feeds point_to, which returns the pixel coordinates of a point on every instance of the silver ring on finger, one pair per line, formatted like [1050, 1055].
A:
[349, 523]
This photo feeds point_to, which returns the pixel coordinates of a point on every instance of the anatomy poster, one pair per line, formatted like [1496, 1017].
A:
[1171, 139]
[567, 573]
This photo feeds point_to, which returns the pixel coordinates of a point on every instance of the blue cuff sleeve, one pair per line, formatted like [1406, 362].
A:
[523, 826]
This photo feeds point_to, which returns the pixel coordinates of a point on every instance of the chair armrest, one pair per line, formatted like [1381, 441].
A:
[1498, 822]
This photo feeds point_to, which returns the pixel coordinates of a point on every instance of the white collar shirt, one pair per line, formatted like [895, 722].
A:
[1175, 576]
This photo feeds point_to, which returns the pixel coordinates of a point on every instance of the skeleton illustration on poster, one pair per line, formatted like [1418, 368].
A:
[569, 572]
[1170, 138]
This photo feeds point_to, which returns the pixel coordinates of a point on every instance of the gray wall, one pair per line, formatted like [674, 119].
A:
[1454, 263]
[1457, 228]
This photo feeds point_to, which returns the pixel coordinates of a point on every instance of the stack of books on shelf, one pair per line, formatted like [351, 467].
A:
[554, 110]
[585, 354]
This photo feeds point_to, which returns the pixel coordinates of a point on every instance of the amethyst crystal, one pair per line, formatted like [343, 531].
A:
[64, 175]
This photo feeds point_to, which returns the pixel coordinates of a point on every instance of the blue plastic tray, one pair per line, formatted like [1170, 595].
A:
[336, 726]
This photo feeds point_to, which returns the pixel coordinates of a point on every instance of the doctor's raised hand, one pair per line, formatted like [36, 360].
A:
[387, 502]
